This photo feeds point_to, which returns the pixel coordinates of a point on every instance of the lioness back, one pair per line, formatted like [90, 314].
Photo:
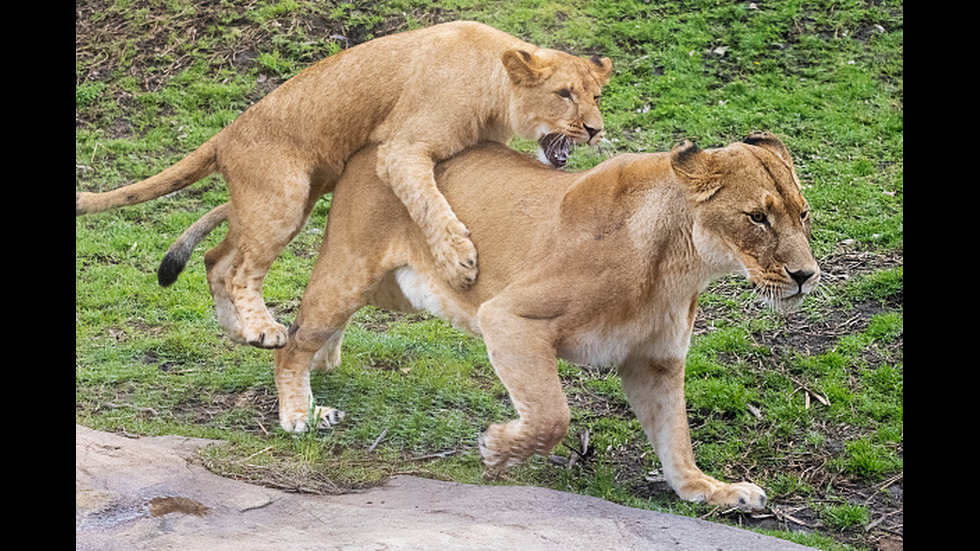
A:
[511, 202]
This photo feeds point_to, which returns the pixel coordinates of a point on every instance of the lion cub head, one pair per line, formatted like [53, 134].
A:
[555, 99]
[749, 202]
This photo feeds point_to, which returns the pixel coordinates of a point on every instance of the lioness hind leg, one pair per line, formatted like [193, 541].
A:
[297, 411]
[327, 357]
[527, 366]
[655, 389]
[339, 286]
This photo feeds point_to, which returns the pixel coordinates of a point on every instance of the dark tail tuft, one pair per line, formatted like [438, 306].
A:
[171, 266]
[180, 252]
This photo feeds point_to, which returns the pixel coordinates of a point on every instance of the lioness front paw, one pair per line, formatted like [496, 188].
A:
[320, 418]
[742, 495]
[495, 457]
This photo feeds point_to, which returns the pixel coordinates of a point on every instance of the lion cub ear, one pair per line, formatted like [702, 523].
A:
[693, 167]
[525, 68]
[602, 69]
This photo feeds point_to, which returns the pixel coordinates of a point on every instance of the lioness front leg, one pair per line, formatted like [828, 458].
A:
[526, 364]
[655, 389]
[408, 169]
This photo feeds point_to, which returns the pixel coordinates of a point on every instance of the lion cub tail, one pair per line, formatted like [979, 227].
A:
[188, 170]
[180, 252]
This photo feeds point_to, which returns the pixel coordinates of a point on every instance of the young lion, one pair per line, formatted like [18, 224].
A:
[600, 267]
[422, 96]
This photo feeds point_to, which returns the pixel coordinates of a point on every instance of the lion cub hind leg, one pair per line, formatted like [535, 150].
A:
[526, 364]
[269, 206]
[655, 389]
[216, 264]
[236, 286]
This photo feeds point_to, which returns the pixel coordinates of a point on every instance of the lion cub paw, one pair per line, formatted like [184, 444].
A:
[457, 258]
[265, 335]
[320, 418]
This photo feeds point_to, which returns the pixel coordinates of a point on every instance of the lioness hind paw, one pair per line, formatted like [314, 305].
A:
[320, 418]
[326, 417]
[746, 496]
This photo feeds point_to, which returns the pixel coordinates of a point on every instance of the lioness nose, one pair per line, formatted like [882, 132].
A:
[800, 276]
[592, 131]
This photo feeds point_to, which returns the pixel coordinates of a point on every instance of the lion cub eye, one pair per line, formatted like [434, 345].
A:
[565, 93]
[804, 215]
[758, 217]
[597, 99]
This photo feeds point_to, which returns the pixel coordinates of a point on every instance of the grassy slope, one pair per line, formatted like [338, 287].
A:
[808, 406]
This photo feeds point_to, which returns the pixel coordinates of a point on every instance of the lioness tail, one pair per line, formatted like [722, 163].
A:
[188, 170]
[180, 252]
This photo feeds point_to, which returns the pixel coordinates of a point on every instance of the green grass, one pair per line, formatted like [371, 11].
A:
[809, 406]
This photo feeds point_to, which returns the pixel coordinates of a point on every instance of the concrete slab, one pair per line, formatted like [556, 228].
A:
[147, 494]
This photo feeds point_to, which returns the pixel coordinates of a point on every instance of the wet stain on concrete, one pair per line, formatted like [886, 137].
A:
[160, 506]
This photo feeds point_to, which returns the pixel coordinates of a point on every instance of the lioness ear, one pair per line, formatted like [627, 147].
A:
[693, 167]
[602, 69]
[525, 68]
[771, 142]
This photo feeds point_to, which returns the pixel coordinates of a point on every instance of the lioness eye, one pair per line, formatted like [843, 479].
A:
[804, 215]
[597, 99]
[758, 217]
[565, 93]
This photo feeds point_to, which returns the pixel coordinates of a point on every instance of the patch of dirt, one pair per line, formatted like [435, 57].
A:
[158, 43]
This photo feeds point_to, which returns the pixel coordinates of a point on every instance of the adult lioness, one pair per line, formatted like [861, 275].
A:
[604, 267]
[422, 95]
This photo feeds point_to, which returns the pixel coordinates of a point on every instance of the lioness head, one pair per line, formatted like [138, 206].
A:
[749, 201]
[555, 99]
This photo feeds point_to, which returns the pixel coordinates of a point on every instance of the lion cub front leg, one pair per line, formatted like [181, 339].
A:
[409, 172]
[655, 389]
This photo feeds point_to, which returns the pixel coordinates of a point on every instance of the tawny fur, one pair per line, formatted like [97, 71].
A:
[601, 267]
[421, 96]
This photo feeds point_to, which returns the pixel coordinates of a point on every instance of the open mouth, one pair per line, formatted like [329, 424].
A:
[555, 148]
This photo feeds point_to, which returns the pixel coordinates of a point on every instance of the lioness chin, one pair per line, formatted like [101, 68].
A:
[421, 96]
[600, 267]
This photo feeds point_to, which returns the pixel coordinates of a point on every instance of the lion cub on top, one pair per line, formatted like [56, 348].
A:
[422, 96]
